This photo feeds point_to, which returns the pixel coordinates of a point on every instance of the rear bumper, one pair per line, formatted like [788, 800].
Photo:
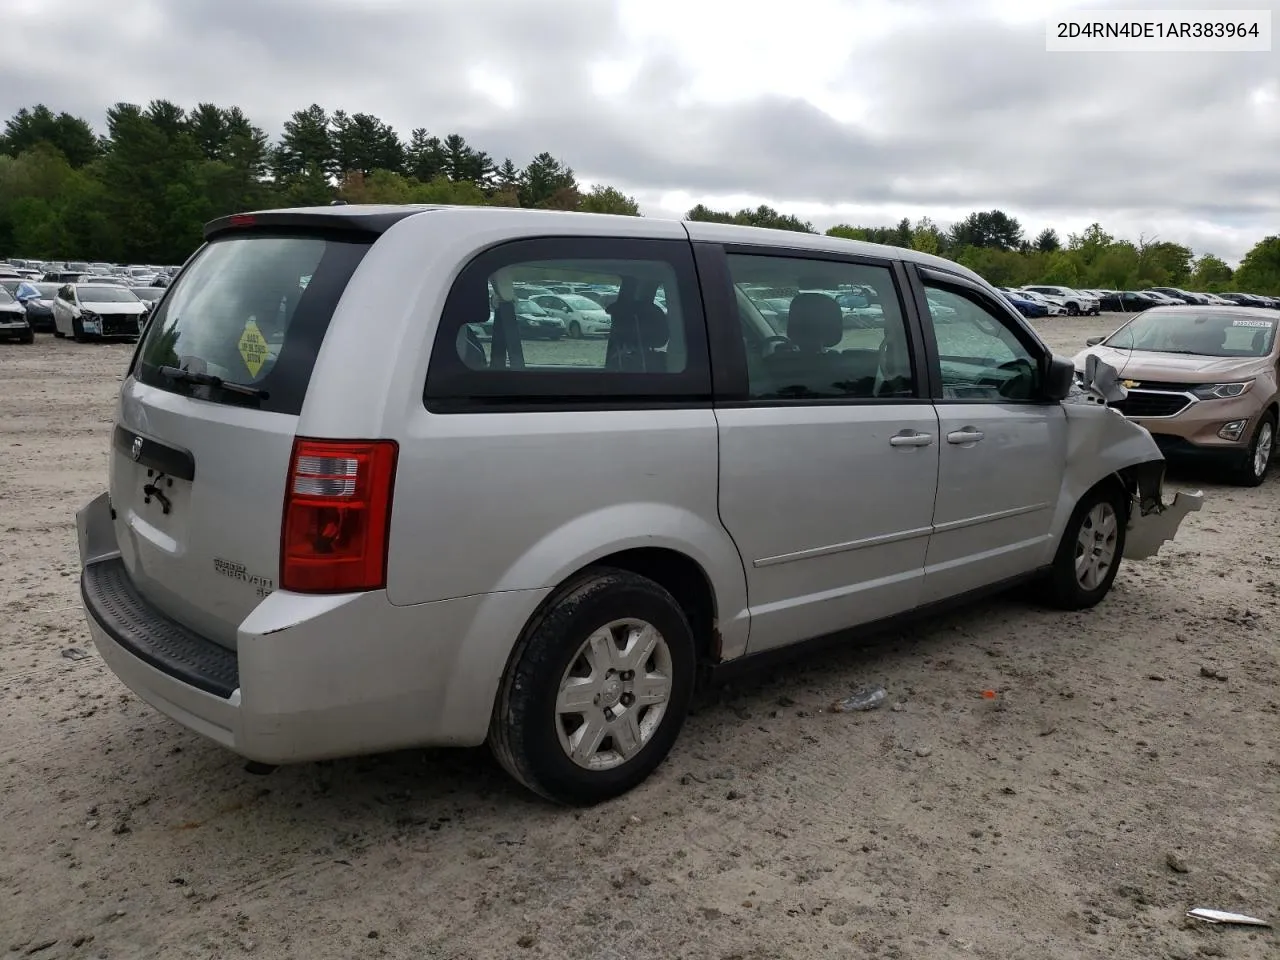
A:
[313, 677]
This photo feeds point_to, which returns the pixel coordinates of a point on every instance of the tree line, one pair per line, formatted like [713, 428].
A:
[142, 192]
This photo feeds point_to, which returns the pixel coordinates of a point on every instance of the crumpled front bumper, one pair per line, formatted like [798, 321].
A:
[1152, 522]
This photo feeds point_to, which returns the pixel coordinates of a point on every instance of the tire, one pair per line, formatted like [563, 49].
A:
[77, 330]
[533, 741]
[58, 333]
[27, 338]
[1256, 464]
[1067, 589]
[1073, 310]
[575, 330]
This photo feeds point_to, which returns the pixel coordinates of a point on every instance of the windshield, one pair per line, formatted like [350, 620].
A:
[581, 303]
[1200, 334]
[148, 293]
[105, 293]
[530, 308]
[4, 296]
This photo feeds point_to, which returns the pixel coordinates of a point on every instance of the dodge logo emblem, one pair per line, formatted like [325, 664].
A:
[137, 447]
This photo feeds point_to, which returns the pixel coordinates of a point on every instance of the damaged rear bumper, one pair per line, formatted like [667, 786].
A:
[1152, 522]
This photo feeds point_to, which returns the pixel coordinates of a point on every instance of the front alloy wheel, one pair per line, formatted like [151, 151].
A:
[1257, 461]
[1089, 553]
[1096, 546]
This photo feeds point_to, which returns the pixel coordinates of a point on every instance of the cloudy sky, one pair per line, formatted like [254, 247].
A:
[858, 111]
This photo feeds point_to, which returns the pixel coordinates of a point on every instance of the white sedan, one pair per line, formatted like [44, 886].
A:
[582, 316]
[97, 310]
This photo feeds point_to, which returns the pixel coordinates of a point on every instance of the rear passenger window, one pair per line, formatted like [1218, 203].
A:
[571, 320]
[821, 329]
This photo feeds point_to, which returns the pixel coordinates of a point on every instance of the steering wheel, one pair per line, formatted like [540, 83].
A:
[1018, 366]
[779, 344]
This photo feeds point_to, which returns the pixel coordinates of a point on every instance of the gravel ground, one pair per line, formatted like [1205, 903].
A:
[1110, 786]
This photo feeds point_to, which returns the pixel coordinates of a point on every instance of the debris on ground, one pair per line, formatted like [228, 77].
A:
[1221, 916]
[75, 653]
[862, 700]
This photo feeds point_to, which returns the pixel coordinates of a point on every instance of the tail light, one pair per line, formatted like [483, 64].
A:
[337, 509]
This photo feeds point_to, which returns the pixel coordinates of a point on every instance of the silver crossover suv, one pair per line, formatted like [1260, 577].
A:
[359, 502]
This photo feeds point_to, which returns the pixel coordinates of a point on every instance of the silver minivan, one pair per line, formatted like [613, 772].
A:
[340, 521]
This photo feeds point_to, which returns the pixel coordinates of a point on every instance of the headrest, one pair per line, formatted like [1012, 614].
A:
[814, 321]
[644, 324]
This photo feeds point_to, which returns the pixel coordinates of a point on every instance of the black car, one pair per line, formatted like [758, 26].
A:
[13, 320]
[1247, 299]
[38, 299]
[1183, 295]
[1127, 301]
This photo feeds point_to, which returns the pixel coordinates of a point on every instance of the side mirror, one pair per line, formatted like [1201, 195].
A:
[1060, 379]
[1094, 341]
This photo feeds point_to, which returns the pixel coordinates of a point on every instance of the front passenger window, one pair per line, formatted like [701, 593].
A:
[821, 330]
[980, 356]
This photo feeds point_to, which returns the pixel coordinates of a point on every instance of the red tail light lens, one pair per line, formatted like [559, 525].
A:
[337, 510]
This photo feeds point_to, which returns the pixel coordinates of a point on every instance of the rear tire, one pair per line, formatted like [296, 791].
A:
[1255, 466]
[607, 641]
[1089, 554]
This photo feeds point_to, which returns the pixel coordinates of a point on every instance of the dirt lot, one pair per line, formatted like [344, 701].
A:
[1109, 787]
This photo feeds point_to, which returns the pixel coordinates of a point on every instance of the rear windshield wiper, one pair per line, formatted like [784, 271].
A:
[209, 380]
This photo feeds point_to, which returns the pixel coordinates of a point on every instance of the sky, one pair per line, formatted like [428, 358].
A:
[853, 111]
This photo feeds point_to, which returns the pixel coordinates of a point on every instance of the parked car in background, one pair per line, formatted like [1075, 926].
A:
[582, 316]
[1185, 296]
[1076, 301]
[1025, 305]
[1128, 301]
[1248, 300]
[536, 323]
[38, 299]
[1205, 381]
[1163, 299]
[97, 310]
[1214, 300]
[13, 320]
[1055, 306]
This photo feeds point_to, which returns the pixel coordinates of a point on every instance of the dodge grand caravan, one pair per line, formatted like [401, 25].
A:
[340, 521]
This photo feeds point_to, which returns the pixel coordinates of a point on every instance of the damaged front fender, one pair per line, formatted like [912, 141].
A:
[1152, 522]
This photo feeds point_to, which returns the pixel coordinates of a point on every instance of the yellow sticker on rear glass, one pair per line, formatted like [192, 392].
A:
[253, 347]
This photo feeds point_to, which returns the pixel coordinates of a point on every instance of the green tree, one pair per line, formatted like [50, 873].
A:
[1211, 273]
[603, 199]
[70, 136]
[544, 179]
[306, 147]
[1259, 271]
[425, 157]
[991, 228]
[1047, 240]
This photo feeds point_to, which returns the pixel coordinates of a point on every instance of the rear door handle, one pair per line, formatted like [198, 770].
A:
[968, 435]
[911, 439]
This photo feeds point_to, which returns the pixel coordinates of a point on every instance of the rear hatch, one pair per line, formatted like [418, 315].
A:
[206, 421]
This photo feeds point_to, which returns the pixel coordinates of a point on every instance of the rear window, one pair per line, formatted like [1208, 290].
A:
[251, 309]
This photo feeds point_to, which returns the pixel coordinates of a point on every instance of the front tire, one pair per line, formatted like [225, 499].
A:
[575, 331]
[1088, 557]
[1073, 310]
[597, 689]
[77, 330]
[1255, 466]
